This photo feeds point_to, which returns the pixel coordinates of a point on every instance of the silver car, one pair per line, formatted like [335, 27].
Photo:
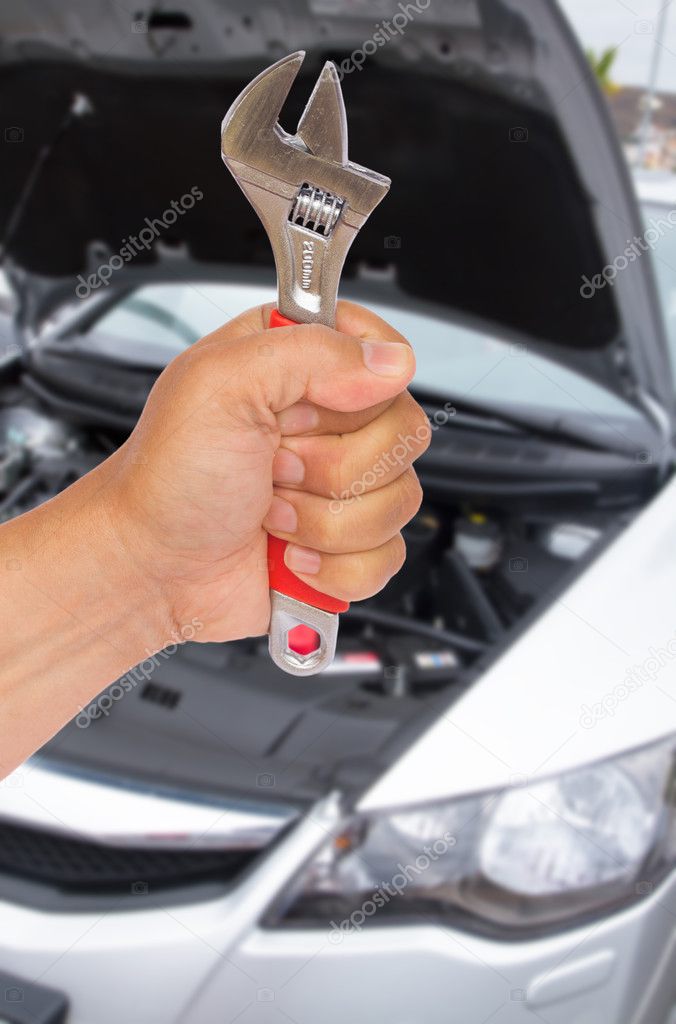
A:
[470, 816]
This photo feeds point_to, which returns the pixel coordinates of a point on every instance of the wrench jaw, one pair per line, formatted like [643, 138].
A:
[323, 124]
[248, 130]
[276, 171]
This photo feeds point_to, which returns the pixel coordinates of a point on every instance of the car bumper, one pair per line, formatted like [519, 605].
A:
[197, 963]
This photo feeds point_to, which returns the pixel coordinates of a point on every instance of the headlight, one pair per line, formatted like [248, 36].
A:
[525, 859]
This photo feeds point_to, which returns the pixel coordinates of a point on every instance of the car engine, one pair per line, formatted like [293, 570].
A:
[508, 519]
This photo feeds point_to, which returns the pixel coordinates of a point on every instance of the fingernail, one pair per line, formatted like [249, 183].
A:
[287, 467]
[386, 358]
[282, 516]
[298, 418]
[302, 559]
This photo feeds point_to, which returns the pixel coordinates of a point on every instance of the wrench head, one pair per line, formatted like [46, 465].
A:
[252, 139]
[311, 199]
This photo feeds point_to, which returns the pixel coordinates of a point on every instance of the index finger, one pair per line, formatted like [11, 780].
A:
[351, 318]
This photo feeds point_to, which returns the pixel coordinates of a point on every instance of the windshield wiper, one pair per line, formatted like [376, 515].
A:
[595, 433]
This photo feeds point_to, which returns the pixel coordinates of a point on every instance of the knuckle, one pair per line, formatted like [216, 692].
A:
[280, 344]
[417, 426]
[357, 583]
[202, 369]
[340, 468]
[365, 578]
[326, 531]
[415, 431]
[407, 502]
[413, 494]
[310, 339]
[199, 362]
[423, 430]
[397, 555]
[348, 474]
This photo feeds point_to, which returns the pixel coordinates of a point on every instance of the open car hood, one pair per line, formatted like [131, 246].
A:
[509, 188]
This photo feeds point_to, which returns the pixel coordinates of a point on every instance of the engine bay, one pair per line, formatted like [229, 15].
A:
[508, 519]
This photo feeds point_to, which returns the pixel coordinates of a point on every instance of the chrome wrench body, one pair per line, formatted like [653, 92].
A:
[312, 202]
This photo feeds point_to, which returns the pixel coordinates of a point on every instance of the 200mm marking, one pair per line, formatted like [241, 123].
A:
[308, 262]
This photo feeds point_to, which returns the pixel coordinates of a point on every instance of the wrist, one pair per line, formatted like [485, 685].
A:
[79, 534]
[138, 600]
[77, 614]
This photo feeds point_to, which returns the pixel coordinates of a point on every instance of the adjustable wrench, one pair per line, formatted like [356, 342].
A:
[311, 201]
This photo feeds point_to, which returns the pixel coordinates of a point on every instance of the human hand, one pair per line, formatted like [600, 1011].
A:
[253, 430]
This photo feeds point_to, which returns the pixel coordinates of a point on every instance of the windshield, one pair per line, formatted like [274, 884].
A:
[159, 320]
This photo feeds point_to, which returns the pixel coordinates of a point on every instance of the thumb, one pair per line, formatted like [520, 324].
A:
[316, 363]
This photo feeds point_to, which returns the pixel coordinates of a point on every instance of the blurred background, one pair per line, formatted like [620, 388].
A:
[205, 842]
[632, 50]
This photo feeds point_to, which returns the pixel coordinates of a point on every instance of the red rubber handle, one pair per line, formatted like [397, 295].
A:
[277, 320]
[281, 578]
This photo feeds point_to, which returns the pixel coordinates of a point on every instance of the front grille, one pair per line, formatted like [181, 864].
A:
[82, 867]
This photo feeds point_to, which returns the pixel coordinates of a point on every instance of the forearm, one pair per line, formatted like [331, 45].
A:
[75, 614]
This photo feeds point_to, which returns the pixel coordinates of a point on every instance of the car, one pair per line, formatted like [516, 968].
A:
[470, 815]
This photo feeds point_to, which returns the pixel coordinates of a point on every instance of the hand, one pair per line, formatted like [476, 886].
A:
[302, 431]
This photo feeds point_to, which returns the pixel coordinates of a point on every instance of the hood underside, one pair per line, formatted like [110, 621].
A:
[488, 212]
